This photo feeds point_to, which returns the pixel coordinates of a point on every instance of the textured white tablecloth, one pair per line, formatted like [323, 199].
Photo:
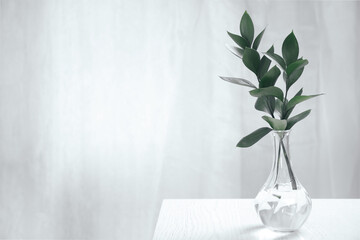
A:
[236, 219]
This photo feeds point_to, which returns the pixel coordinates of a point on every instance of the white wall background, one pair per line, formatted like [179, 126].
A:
[107, 107]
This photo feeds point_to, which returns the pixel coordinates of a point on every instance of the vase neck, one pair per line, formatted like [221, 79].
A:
[282, 175]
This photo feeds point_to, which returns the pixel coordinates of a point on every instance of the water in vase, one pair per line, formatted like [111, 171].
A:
[283, 203]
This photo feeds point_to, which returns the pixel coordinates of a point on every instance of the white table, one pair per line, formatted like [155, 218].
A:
[236, 219]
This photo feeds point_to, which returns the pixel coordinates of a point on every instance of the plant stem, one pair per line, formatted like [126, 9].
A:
[269, 107]
[291, 174]
[283, 114]
[277, 166]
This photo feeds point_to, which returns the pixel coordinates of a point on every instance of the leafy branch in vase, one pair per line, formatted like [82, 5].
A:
[270, 99]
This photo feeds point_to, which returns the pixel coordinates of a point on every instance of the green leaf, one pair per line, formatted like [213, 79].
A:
[251, 59]
[258, 40]
[295, 66]
[253, 137]
[236, 51]
[299, 92]
[288, 112]
[298, 99]
[276, 124]
[242, 42]
[290, 49]
[265, 104]
[269, 79]
[268, 91]
[247, 27]
[271, 49]
[238, 81]
[293, 120]
[278, 59]
[263, 66]
[294, 77]
[294, 71]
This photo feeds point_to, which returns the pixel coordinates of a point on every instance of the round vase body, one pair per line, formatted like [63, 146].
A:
[283, 203]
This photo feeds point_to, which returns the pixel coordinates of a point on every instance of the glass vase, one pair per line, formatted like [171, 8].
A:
[283, 203]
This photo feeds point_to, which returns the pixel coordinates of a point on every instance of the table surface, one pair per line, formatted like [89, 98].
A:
[236, 219]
